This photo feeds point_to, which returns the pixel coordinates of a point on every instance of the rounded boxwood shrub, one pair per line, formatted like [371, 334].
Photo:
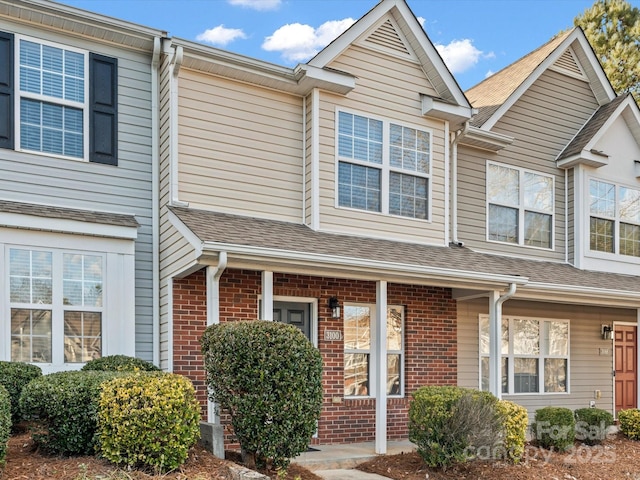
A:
[5, 422]
[148, 420]
[554, 427]
[64, 408]
[451, 424]
[119, 363]
[516, 421]
[629, 422]
[14, 376]
[592, 425]
[268, 376]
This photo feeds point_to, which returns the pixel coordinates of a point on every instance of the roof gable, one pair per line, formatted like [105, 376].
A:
[392, 27]
[569, 53]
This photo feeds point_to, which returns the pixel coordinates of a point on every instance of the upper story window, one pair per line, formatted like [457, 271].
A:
[383, 166]
[519, 206]
[614, 218]
[534, 355]
[57, 100]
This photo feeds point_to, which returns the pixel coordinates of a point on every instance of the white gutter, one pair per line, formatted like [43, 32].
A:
[495, 339]
[155, 207]
[176, 63]
[454, 183]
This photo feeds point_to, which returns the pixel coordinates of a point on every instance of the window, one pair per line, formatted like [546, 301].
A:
[358, 322]
[56, 305]
[57, 100]
[614, 218]
[534, 355]
[383, 167]
[519, 206]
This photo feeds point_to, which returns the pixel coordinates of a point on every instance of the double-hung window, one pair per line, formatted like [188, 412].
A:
[358, 350]
[383, 166]
[56, 305]
[57, 100]
[519, 206]
[614, 218]
[534, 355]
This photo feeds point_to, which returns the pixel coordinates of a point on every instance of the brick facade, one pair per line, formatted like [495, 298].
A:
[430, 340]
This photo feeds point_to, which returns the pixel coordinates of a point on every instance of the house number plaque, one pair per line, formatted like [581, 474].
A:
[332, 335]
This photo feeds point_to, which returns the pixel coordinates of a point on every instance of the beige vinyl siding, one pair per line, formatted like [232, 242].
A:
[240, 148]
[387, 88]
[542, 121]
[588, 369]
[127, 188]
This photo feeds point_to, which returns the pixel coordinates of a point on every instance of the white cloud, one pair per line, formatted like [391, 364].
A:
[460, 55]
[298, 42]
[421, 20]
[489, 73]
[220, 35]
[257, 4]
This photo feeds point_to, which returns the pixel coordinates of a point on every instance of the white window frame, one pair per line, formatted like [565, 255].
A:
[385, 167]
[373, 372]
[19, 95]
[521, 207]
[511, 356]
[616, 219]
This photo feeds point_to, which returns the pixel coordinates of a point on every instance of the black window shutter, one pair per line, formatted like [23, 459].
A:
[103, 109]
[7, 119]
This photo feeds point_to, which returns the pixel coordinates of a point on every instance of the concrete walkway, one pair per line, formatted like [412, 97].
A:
[338, 462]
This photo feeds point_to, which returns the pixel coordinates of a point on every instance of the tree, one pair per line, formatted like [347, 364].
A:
[613, 29]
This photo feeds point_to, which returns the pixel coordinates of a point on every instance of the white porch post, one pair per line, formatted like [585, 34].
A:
[380, 367]
[266, 311]
[213, 275]
[495, 323]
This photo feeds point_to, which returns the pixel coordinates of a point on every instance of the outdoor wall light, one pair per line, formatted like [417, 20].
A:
[606, 331]
[334, 305]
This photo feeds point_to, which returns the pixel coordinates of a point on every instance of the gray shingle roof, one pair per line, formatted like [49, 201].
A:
[213, 227]
[87, 216]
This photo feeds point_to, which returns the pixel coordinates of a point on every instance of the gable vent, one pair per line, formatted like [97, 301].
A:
[387, 37]
[568, 65]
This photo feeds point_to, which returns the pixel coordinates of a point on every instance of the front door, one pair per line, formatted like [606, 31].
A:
[296, 314]
[626, 363]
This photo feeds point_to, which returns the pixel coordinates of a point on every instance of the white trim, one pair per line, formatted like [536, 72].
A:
[266, 312]
[447, 184]
[65, 225]
[313, 306]
[381, 367]
[315, 160]
[155, 202]
[564, 71]
[363, 40]
[170, 281]
[186, 232]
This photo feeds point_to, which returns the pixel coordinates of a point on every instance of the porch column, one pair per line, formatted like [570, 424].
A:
[495, 327]
[380, 367]
[213, 274]
[266, 310]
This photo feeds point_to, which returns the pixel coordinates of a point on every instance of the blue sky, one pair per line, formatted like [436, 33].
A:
[475, 37]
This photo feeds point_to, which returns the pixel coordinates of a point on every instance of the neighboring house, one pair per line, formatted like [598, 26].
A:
[360, 180]
[77, 269]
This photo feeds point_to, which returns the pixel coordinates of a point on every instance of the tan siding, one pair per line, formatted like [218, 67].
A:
[387, 88]
[240, 148]
[588, 370]
[542, 122]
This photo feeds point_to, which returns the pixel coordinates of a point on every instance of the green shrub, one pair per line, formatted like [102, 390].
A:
[14, 376]
[592, 425]
[554, 427]
[516, 421]
[5, 422]
[119, 363]
[448, 424]
[64, 408]
[148, 420]
[268, 376]
[629, 421]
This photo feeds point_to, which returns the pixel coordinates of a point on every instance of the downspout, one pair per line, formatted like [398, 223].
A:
[155, 203]
[495, 339]
[454, 183]
[213, 313]
[304, 156]
[176, 63]
[566, 216]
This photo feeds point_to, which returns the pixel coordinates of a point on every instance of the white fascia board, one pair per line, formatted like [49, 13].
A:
[456, 114]
[578, 35]
[333, 261]
[313, 77]
[586, 157]
[579, 295]
[487, 140]
[63, 225]
[187, 233]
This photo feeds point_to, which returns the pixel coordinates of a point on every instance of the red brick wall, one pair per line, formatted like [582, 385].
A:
[430, 340]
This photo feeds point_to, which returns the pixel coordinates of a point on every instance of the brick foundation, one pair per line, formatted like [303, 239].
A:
[430, 341]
